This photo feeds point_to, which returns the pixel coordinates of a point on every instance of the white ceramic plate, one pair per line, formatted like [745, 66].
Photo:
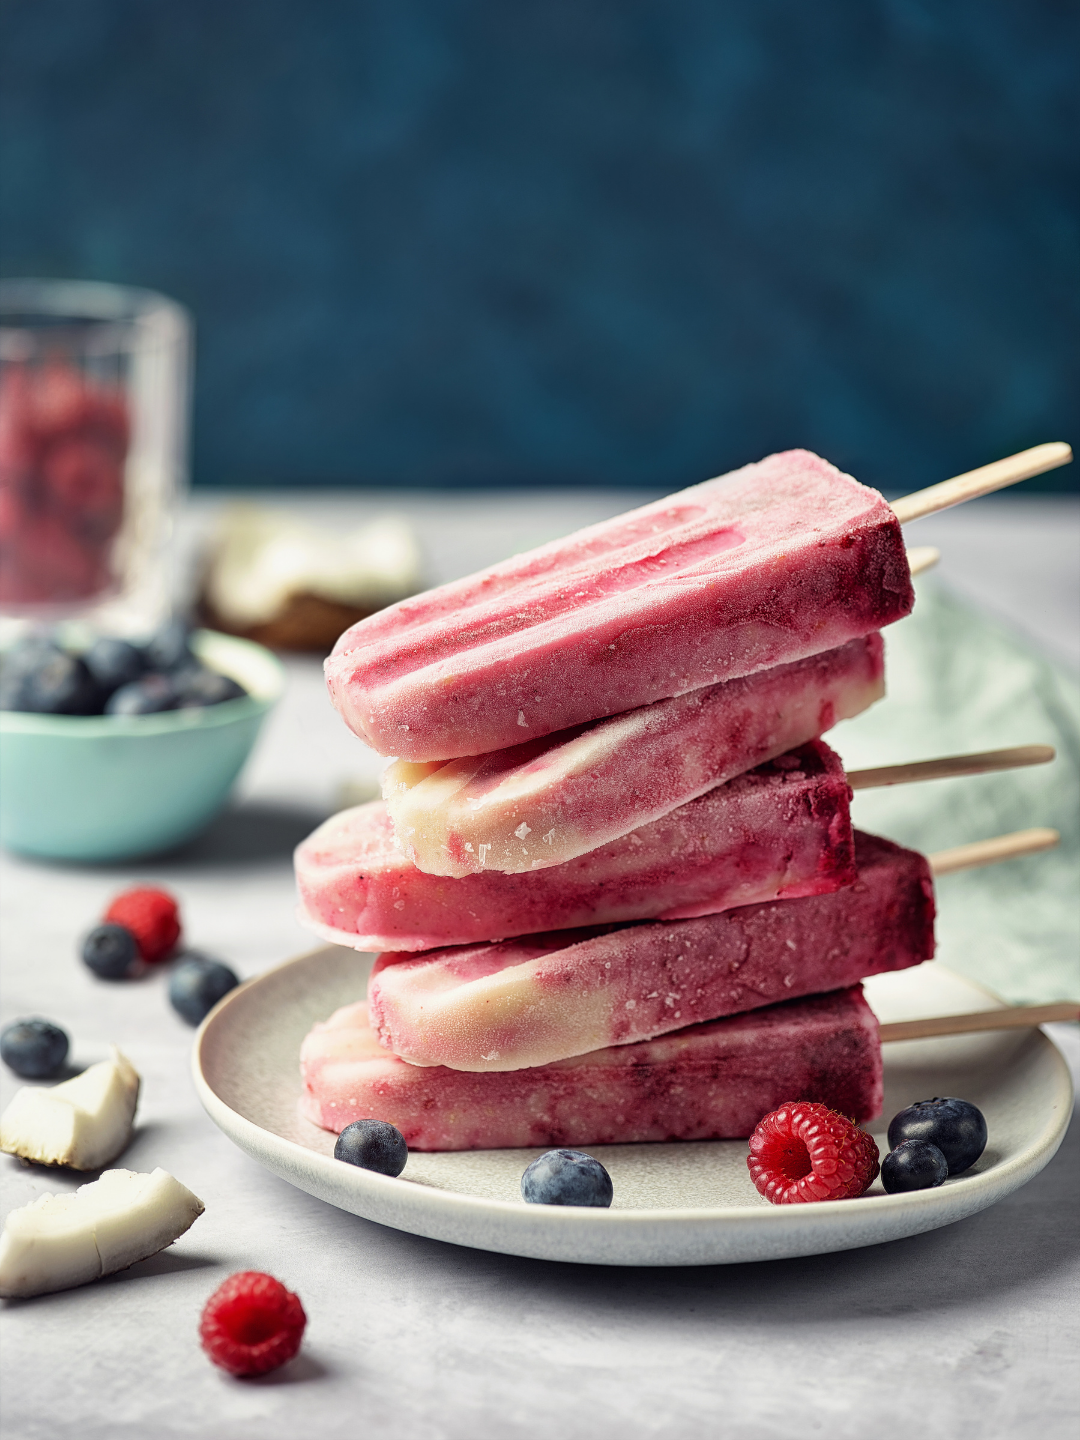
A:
[675, 1204]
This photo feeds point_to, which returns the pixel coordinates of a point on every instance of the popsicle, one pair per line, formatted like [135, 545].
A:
[779, 560]
[709, 1082]
[778, 832]
[772, 562]
[549, 800]
[530, 1001]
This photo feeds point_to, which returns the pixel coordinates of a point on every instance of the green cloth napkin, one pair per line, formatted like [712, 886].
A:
[958, 681]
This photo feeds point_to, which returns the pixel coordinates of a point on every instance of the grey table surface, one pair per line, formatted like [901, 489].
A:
[966, 1331]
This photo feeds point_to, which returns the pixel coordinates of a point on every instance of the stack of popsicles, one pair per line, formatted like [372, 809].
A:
[614, 879]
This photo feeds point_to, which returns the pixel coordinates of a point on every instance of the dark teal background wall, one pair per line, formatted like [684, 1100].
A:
[449, 242]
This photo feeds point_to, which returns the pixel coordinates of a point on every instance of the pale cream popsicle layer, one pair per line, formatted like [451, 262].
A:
[780, 831]
[547, 801]
[708, 1082]
[779, 560]
[526, 1002]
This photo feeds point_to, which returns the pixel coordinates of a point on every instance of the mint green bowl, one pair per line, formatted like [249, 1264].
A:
[109, 788]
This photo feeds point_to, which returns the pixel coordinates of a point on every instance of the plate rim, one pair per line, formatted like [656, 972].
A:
[395, 1198]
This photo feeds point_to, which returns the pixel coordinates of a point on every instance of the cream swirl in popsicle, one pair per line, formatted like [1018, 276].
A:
[541, 998]
[780, 831]
[708, 1082]
[548, 801]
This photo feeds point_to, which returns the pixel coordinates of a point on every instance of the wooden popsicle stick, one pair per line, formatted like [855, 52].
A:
[980, 763]
[990, 852]
[1011, 1018]
[996, 476]
[922, 557]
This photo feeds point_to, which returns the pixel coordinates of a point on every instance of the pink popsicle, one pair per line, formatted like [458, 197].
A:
[778, 832]
[776, 561]
[550, 800]
[547, 997]
[708, 1082]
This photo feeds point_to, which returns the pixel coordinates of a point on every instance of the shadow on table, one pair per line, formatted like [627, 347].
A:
[305, 1367]
[165, 1262]
[1033, 1234]
[248, 834]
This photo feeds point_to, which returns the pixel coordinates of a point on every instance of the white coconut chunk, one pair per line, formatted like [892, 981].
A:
[60, 1241]
[263, 558]
[84, 1123]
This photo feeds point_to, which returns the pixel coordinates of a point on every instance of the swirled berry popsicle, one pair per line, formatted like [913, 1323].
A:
[709, 1082]
[541, 998]
[547, 801]
[780, 831]
[779, 560]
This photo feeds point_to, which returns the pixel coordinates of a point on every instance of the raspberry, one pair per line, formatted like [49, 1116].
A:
[153, 918]
[805, 1151]
[49, 562]
[86, 482]
[251, 1324]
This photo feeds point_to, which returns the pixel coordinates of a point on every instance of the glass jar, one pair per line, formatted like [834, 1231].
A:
[94, 414]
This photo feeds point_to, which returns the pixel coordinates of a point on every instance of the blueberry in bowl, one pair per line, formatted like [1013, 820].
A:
[169, 648]
[149, 695]
[18, 665]
[113, 662]
[196, 685]
[41, 678]
[144, 778]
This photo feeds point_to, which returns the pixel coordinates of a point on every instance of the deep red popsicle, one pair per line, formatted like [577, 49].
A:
[708, 1082]
[778, 560]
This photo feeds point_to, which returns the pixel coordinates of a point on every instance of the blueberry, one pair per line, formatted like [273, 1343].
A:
[111, 952]
[373, 1145]
[54, 683]
[17, 666]
[566, 1177]
[148, 696]
[197, 984]
[914, 1165]
[29, 650]
[956, 1127]
[197, 686]
[113, 663]
[13, 689]
[170, 647]
[34, 1049]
